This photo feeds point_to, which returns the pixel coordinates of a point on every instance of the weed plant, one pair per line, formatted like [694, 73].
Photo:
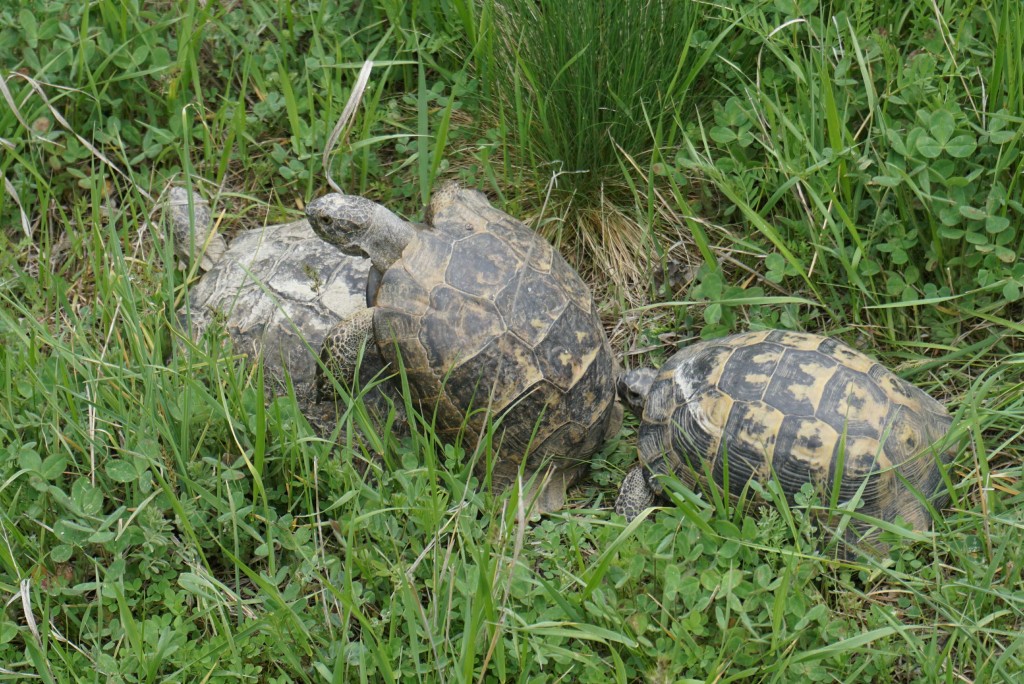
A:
[851, 168]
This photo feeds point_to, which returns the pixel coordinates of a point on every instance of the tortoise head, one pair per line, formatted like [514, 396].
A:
[634, 386]
[360, 227]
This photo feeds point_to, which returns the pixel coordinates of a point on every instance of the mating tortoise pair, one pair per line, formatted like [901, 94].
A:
[490, 323]
[498, 337]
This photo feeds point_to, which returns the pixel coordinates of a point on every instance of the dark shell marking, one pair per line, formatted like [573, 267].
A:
[798, 406]
[489, 320]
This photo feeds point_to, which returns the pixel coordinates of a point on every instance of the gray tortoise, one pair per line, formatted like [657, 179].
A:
[793, 406]
[489, 322]
[277, 291]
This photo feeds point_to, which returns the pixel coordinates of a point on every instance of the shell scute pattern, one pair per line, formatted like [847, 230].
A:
[749, 432]
[802, 453]
[538, 401]
[426, 261]
[711, 411]
[904, 433]
[537, 254]
[456, 328]
[786, 338]
[588, 389]
[576, 291]
[800, 381]
[570, 347]
[804, 444]
[851, 400]
[489, 320]
[846, 356]
[533, 303]
[402, 290]
[745, 376]
[479, 264]
[795, 407]
[862, 457]
[568, 439]
[692, 373]
[512, 365]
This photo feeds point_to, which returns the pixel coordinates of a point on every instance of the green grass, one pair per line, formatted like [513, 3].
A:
[584, 96]
[852, 168]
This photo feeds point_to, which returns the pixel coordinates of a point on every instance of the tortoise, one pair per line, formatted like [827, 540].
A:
[277, 291]
[491, 325]
[792, 406]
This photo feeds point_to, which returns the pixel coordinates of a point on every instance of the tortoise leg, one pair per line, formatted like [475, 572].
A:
[340, 352]
[547, 492]
[635, 494]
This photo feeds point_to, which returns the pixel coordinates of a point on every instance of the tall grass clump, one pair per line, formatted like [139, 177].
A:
[587, 91]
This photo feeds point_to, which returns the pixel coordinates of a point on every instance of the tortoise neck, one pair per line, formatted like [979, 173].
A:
[387, 238]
